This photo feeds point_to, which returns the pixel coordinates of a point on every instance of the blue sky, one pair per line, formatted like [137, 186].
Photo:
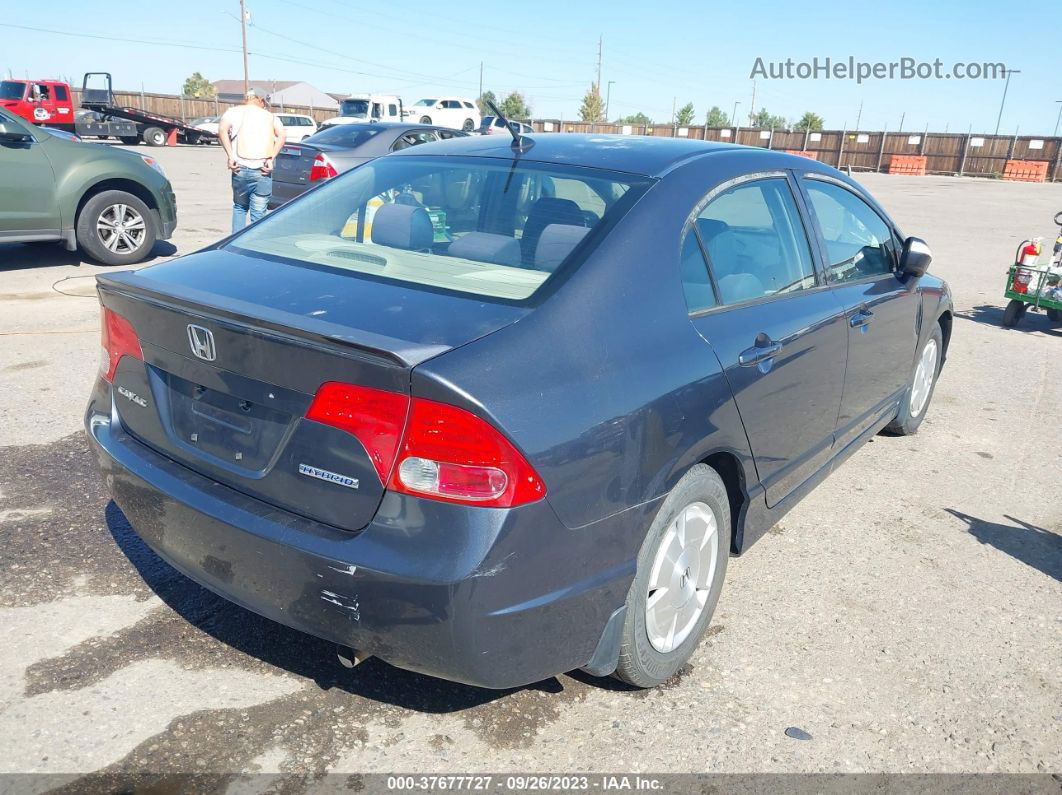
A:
[699, 52]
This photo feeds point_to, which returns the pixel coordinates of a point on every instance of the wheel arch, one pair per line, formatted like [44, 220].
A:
[944, 320]
[729, 468]
[118, 183]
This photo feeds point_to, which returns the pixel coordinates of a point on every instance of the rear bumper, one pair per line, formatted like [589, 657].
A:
[489, 597]
[284, 192]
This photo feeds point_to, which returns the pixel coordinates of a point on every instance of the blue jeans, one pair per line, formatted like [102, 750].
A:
[251, 190]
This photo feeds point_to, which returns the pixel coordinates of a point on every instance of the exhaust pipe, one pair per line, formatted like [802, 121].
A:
[349, 657]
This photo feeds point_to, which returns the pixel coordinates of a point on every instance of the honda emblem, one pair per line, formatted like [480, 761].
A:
[201, 341]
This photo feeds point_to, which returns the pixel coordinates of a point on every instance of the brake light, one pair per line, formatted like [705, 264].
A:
[119, 339]
[322, 168]
[451, 454]
[442, 452]
[373, 416]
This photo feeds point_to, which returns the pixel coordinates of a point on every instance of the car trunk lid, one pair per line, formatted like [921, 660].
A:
[229, 374]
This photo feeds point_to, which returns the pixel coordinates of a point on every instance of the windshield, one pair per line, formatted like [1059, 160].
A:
[495, 228]
[354, 107]
[424, 103]
[349, 135]
[9, 89]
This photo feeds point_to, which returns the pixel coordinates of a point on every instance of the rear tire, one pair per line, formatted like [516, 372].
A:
[425, 119]
[1054, 315]
[155, 136]
[680, 573]
[468, 126]
[921, 386]
[116, 228]
[1013, 314]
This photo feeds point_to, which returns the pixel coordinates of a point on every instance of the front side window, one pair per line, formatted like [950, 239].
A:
[481, 226]
[859, 244]
[756, 242]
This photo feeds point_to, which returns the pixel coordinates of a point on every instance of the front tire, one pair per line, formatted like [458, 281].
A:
[129, 140]
[425, 119]
[920, 389]
[116, 228]
[1013, 314]
[1054, 315]
[680, 574]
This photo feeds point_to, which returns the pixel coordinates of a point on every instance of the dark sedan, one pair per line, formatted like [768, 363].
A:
[493, 413]
[340, 147]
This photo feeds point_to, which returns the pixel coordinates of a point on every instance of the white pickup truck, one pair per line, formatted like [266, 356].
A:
[359, 108]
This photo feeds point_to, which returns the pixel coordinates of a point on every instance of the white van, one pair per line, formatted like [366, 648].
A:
[367, 107]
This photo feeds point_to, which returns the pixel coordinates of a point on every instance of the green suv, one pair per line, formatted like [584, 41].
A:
[113, 203]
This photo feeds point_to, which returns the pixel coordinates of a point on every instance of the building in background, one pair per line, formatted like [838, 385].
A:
[280, 93]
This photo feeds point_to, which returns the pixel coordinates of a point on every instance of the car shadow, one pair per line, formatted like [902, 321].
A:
[993, 316]
[1034, 546]
[20, 256]
[303, 655]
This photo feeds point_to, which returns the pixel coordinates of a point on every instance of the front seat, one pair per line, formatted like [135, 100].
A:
[547, 210]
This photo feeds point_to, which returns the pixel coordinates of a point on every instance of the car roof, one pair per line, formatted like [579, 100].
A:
[635, 154]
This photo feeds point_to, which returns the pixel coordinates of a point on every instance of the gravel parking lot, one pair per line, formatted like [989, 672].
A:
[906, 615]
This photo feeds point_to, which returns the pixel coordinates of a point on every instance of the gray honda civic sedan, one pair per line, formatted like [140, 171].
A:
[493, 410]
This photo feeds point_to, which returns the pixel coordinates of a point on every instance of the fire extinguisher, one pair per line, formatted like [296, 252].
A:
[1028, 254]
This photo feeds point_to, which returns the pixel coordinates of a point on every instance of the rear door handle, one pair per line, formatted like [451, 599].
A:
[759, 352]
[861, 317]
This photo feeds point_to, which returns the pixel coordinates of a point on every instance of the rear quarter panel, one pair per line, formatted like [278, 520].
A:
[606, 386]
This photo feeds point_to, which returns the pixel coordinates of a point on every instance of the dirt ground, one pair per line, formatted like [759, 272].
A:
[906, 616]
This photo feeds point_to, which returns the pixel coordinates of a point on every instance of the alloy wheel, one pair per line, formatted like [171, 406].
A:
[121, 229]
[925, 372]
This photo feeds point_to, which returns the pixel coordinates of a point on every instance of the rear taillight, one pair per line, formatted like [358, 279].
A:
[118, 339]
[430, 449]
[322, 168]
[374, 416]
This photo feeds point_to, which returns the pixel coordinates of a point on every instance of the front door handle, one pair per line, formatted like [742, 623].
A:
[761, 351]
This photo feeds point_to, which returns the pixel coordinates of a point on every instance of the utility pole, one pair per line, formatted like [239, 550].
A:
[600, 42]
[859, 115]
[733, 116]
[674, 119]
[1059, 103]
[1003, 101]
[902, 117]
[608, 97]
[480, 80]
[752, 107]
[243, 33]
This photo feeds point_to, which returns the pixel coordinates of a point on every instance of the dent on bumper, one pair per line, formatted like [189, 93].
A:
[495, 598]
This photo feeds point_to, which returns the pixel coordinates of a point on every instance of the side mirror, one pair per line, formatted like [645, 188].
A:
[11, 134]
[915, 257]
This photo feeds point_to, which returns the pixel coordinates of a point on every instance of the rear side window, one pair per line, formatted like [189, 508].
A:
[695, 281]
[494, 228]
[392, 110]
[859, 244]
[756, 241]
[61, 94]
[413, 139]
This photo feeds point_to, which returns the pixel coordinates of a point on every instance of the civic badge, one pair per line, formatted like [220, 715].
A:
[201, 341]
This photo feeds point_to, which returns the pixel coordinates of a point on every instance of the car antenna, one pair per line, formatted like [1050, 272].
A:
[520, 143]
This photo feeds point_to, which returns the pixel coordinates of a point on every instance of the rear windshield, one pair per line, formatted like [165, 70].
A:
[345, 134]
[11, 90]
[495, 228]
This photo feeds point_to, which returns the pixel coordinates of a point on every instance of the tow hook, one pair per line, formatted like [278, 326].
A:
[349, 657]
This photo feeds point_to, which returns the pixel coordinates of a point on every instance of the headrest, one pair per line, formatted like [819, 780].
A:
[487, 247]
[740, 287]
[402, 226]
[556, 243]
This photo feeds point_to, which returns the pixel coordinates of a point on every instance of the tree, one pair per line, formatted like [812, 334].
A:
[764, 120]
[716, 117]
[484, 110]
[635, 118]
[684, 117]
[809, 121]
[593, 107]
[515, 106]
[198, 86]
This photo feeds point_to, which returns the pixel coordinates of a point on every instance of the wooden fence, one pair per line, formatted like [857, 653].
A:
[970, 154]
[946, 153]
